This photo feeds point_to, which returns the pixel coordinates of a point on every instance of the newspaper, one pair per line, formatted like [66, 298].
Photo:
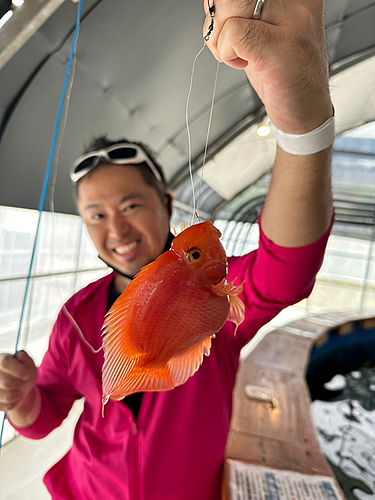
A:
[253, 482]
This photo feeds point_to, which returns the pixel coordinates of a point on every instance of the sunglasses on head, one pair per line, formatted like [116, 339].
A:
[118, 154]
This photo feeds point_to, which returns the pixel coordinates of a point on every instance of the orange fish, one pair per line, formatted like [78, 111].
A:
[157, 331]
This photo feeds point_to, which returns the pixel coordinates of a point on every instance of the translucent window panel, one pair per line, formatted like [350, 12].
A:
[45, 298]
[221, 225]
[252, 240]
[57, 247]
[369, 298]
[232, 237]
[348, 246]
[238, 238]
[17, 230]
[88, 256]
[11, 297]
[9, 432]
[346, 268]
[334, 296]
[48, 294]
[58, 243]
[241, 239]
[85, 278]
[371, 273]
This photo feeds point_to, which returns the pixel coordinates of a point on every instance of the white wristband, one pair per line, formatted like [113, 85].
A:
[309, 143]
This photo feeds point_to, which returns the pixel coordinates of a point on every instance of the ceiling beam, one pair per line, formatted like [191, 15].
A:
[25, 21]
[183, 173]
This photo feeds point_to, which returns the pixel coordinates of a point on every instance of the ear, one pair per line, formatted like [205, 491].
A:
[168, 204]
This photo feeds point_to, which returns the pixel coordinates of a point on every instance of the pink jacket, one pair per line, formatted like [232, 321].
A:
[175, 449]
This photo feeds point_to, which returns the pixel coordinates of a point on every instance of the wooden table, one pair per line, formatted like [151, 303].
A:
[279, 432]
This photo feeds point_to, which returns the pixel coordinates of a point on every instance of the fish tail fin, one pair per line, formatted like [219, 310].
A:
[185, 365]
[143, 379]
[236, 307]
[105, 400]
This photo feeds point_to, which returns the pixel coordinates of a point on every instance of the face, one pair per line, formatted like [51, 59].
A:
[124, 216]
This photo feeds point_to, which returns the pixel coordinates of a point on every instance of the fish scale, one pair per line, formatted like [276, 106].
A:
[158, 331]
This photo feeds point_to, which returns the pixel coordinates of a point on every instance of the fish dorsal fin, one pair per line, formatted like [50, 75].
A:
[184, 366]
[183, 227]
[236, 307]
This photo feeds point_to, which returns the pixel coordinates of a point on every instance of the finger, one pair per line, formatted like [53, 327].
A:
[10, 397]
[243, 40]
[225, 10]
[8, 382]
[14, 367]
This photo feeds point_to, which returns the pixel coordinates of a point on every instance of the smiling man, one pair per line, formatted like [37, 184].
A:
[170, 445]
[127, 216]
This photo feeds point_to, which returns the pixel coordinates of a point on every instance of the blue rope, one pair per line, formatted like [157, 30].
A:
[46, 181]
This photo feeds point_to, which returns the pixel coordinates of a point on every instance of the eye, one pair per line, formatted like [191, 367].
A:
[97, 216]
[128, 208]
[194, 255]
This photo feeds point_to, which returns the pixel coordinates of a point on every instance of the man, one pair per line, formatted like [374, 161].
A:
[174, 447]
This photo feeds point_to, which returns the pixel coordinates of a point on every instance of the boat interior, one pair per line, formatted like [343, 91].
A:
[304, 400]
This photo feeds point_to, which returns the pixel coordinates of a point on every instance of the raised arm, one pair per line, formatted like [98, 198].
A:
[284, 56]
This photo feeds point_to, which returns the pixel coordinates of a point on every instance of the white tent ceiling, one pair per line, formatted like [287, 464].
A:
[131, 79]
[353, 95]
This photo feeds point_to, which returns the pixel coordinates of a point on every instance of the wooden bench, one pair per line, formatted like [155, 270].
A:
[272, 425]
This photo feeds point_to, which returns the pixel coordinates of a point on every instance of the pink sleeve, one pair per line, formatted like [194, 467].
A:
[275, 277]
[58, 394]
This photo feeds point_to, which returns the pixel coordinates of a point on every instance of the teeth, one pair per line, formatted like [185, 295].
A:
[126, 248]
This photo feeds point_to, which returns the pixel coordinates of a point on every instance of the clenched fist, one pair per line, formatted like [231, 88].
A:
[283, 54]
[19, 397]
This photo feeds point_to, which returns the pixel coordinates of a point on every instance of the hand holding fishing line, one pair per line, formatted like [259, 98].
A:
[17, 387]
[283, 54]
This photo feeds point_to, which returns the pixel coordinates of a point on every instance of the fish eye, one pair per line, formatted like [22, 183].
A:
[194, 255]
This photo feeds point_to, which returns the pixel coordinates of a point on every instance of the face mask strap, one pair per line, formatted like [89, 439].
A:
[166, 248]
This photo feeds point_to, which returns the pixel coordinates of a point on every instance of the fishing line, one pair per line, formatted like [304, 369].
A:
[53, 188]
[211, 11]
[188, 129]
[196, 203]
[208, 134]
[45, 185]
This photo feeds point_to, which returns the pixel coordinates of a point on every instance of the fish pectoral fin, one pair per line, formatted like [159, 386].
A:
[236, 307]
[227, 289]
[143, 379]
[185, 365]
[236, 311]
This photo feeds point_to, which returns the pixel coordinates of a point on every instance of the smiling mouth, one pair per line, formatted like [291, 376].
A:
[126, 248]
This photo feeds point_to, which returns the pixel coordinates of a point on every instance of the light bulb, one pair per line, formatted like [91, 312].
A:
[263, 130]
